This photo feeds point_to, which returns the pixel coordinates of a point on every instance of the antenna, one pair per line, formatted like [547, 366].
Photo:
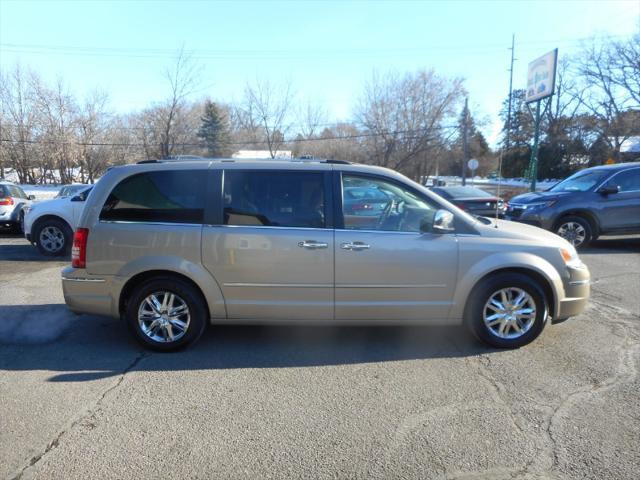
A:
[506, 147]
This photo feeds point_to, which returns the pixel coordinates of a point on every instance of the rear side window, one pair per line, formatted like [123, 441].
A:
[4, 191]
[166, 196]
[274, 198]
[628, 181]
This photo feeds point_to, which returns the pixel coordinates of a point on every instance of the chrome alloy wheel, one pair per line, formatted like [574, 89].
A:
[509, 313]
[572, 232]
[164, 317]
[52, 239]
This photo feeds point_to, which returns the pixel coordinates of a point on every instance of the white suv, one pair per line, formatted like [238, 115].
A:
[49, 225]
[13, 203]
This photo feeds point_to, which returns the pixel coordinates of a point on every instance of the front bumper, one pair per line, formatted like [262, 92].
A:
[577, 289]
[538, 217]
[84, 293]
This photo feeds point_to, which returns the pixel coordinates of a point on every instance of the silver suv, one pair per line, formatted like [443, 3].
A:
[173, 246]
[13, 204]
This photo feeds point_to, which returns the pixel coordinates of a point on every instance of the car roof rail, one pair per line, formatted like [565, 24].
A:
[337, 162]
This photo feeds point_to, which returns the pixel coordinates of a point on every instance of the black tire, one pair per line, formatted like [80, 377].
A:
[569, 234]
[197, 311]
[61, 226]
[482, 293]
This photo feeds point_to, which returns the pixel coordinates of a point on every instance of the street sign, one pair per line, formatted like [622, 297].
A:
[473, 164]
[541, 76]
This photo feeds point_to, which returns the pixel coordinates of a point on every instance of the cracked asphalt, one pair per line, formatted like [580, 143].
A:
[81, 400]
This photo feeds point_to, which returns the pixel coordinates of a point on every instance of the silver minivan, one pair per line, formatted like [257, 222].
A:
[172, 246]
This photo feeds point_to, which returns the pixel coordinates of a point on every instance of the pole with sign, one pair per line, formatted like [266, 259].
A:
[541, 80]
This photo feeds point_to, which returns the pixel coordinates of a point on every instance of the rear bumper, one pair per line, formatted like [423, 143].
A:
[85, 293]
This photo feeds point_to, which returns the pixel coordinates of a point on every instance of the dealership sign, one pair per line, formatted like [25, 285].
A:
[541, 76]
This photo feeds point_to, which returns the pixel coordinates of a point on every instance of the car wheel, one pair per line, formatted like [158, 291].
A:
[507, 310]
[575, 230]
[53, 237]
[166, 314]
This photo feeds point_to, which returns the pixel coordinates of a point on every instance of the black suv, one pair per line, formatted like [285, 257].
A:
[592, 202]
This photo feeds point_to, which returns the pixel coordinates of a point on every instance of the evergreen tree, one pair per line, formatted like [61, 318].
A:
[214, 130]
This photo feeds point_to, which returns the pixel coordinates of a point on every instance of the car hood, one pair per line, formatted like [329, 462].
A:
[534, 197]
[53, 203]
[522, 231]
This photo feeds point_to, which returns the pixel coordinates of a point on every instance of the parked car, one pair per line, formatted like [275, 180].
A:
[171, 247]
[49, 225]
[592, 202]
[13, 202]
[473, 200]
[71, 190]
[366, 200]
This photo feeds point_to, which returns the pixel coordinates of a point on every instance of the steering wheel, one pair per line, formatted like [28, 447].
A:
[386, 213]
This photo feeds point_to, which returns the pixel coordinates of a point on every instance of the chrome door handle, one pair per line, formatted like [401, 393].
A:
[355, 246]
[312, 244]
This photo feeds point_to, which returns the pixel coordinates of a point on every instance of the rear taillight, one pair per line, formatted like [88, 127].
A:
[79, 249]
[6, 201]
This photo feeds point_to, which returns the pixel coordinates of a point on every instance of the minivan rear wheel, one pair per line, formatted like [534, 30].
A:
[575, 230]
[507, 310]
[166, 314]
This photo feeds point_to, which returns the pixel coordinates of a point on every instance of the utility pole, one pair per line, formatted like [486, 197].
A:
[465, 140]
[508, 138]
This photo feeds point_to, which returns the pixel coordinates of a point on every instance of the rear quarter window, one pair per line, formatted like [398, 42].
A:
[165, 196]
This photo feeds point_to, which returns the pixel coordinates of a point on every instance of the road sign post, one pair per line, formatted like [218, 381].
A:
[541, 79]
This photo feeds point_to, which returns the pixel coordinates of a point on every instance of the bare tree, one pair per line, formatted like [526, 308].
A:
[406, 115]
[608, 85]
[161, 127]
[19, 122]
[265, 111]
[93, 125]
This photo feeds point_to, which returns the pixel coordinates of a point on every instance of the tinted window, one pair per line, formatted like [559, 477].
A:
[387, 206]
[627, 181]
[274, 198]
[4, 191]
[169, 196]
[580, 181]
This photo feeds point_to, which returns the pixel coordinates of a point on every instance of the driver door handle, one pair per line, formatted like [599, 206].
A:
[312, 244]
[355, 246]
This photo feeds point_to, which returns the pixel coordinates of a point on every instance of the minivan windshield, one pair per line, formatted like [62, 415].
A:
[580, 182]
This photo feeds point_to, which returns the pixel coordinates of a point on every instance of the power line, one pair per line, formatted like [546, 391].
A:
[414, 132]
[284, 54]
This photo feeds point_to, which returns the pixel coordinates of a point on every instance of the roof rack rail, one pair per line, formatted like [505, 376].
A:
[148, 161]
[337, 162]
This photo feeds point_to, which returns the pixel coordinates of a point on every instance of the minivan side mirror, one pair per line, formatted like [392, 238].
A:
[81, 197]
[443, 222]
[609, 189]
[32, 197]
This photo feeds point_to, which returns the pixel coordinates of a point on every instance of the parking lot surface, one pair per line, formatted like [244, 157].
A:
[80, 399]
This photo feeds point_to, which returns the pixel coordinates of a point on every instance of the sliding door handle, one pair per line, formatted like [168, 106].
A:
[355, 246]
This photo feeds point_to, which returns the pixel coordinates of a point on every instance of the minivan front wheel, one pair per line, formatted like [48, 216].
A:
[166, 314]
[575, 230]
[507, 310]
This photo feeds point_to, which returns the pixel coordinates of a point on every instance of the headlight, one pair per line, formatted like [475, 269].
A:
[539, 205]
[571, 258]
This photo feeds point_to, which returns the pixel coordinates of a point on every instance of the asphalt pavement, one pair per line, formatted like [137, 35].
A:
[80, 399]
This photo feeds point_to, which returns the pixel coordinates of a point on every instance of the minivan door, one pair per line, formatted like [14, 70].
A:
[271, 248]
[386, 268]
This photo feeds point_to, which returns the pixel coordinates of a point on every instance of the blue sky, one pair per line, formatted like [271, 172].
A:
[327, 49]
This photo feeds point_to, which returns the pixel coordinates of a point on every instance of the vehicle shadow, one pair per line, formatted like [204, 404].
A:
[87, 347]
[614, 245]
[25, 252]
